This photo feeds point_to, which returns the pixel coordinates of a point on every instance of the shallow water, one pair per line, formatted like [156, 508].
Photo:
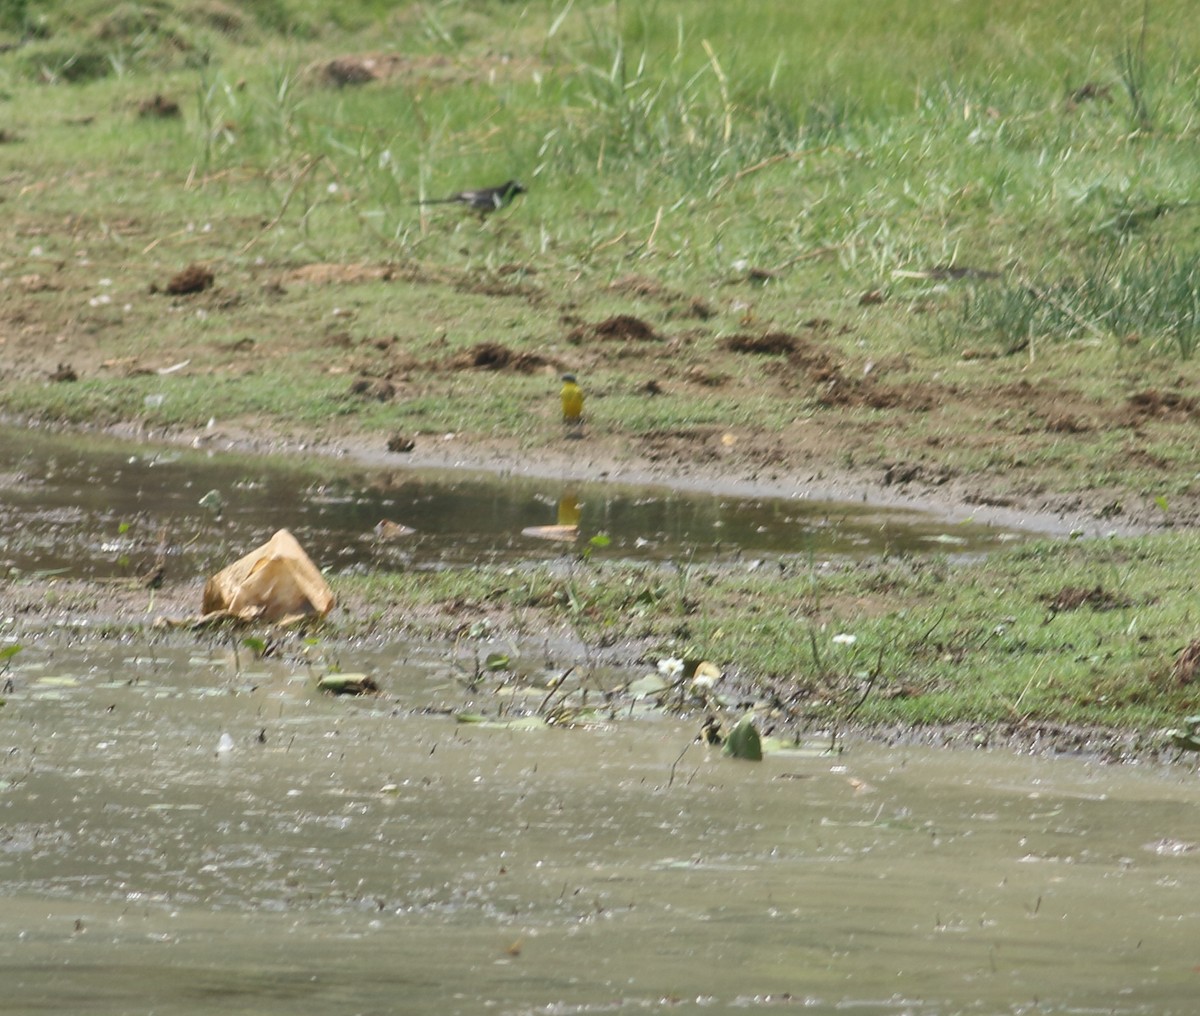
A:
[374, 856]
[93, 508]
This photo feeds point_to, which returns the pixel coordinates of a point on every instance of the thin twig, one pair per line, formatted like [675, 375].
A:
[678, 759]
[550, 694]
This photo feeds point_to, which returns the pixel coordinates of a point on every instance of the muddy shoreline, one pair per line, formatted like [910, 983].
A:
[52, 608]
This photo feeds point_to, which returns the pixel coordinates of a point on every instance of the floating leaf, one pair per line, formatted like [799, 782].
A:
[348, 684]
[646, 686]
[743, 741]
[8, 652]
[256, 645]
[497, 661]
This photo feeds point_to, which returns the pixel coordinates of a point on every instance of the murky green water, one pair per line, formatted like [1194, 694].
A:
[373, 856]
[94, 508]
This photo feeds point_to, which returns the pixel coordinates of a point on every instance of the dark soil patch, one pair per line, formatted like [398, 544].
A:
[194, 278]
[159, 106]
[1064, 423]
[350, 70]
[771, 344]
[619, 328]
[1187, 664]
[379, 389]
[494, 356]
[1076, 597]
[1156, 404]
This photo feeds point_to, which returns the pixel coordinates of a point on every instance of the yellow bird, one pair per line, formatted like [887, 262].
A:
[572, 401]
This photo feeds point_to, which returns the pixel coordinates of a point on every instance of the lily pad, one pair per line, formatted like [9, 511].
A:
[644, 687]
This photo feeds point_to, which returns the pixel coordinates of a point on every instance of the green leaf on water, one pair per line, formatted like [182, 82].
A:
[8, 652]
[497, 661]
[348, 684]
[744, 741]
[256, 645]
[646, 686]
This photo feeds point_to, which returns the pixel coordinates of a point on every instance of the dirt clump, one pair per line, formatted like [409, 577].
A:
[1187, 663]
[377, 388]
[1153, 403]
[771, 344]
[195, 278]
[495, 356]
[64, 372]
[350, 70]
[159, 106]
[618, 328]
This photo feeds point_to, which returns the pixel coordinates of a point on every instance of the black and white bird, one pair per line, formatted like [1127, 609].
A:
[484, 200]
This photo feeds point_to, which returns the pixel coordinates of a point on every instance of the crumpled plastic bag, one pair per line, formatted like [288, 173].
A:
[277, 582]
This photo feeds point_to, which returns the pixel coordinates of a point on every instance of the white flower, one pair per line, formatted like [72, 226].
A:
[671, 667]
[842, 639]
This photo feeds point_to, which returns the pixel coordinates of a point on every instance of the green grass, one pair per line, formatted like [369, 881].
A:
[996, 642]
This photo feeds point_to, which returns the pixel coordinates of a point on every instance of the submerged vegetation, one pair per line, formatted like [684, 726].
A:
[945, 248]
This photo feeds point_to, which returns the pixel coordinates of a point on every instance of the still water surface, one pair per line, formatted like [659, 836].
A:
[373, 856]
[94, 509]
